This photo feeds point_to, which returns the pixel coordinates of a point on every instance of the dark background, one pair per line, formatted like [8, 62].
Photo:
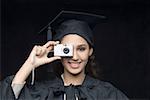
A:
[122, 43]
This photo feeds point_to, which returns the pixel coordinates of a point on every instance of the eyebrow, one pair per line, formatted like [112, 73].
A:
[81, 45]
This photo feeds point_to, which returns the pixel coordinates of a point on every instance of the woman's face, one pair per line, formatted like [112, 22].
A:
[81, 52]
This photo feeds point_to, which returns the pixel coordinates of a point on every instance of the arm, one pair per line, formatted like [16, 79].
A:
[37, 57]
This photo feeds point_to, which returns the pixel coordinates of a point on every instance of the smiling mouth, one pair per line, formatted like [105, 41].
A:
[74, 64]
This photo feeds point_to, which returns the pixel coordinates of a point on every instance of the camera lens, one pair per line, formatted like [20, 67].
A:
[66, 50]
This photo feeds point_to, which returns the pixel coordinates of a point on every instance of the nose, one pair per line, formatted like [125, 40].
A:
[75, 55]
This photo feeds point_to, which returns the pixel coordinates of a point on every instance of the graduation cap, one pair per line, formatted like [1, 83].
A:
[72, 22]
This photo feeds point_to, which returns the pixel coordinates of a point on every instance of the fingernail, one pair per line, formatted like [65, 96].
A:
[59, 57]
[57, 41]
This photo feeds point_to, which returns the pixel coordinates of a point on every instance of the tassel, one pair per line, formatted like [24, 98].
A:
[33, 76]
[49, 34]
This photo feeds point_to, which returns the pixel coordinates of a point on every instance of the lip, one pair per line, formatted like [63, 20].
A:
[74, 65]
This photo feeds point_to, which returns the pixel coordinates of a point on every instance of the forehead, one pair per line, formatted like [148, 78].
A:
[73, 39]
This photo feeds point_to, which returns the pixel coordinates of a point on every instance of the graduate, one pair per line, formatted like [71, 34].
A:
[71, 40]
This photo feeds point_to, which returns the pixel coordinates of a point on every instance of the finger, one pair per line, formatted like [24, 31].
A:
[50, 43]
[50, 49]
[42, 51]
[38, 50]
[33, 53]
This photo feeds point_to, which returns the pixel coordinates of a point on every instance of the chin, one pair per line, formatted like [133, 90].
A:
[75, 72]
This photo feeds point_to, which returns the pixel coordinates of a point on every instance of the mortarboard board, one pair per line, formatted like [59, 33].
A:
[67, 22]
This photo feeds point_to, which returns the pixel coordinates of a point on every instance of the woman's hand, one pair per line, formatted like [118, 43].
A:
[38, 55]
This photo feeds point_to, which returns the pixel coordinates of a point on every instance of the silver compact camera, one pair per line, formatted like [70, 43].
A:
[63, 50]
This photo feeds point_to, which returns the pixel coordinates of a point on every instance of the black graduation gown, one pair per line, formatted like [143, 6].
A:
[91, 89]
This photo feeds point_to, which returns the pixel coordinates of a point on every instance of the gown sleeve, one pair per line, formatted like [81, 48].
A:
[17, 88]
[6, 91]
[38, 91]
[24, 91]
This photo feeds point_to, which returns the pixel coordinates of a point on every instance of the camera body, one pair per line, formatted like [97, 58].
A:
[63, 50]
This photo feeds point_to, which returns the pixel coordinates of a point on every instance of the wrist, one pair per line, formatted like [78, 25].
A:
[29, 64]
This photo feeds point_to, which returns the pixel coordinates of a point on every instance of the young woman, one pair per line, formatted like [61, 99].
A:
[74, 82]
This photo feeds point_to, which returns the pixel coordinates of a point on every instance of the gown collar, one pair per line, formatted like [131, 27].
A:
[59, 88]
[88, 82]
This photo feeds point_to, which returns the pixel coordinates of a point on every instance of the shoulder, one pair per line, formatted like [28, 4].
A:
[98, 84]
[7, 80]
[105, 89]
[90, 81]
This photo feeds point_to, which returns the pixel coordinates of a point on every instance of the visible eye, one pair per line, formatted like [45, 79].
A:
[81, 48]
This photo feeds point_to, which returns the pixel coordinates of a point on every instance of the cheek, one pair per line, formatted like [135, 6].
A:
[84, 56]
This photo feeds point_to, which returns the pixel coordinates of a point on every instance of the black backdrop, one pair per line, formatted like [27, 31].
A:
[122, 43]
